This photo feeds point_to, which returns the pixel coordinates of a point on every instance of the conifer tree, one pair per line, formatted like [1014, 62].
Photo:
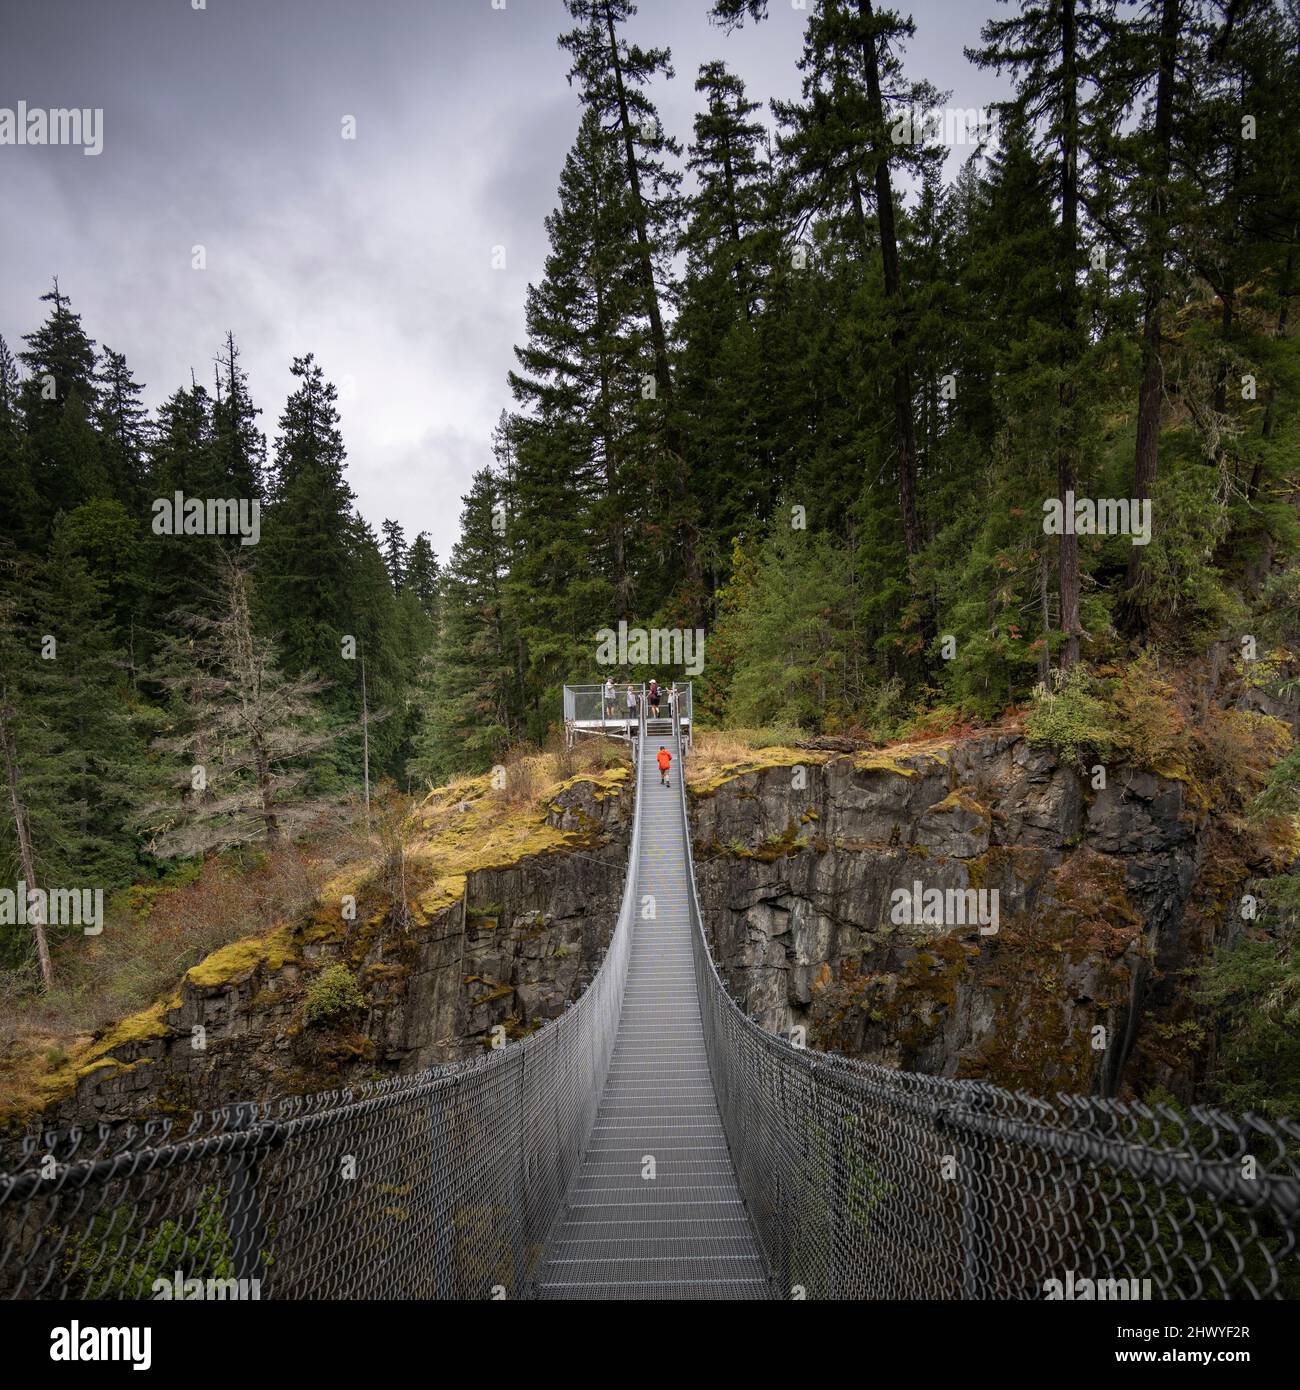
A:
[727, 363]
[238, 445]
[612, 75]
[18, 504]
[243, 735]
[308, 533]
[58, 398]
[1051, 49]
[71, 748]
[579, 481]
[395, 554]
[122, 421]
[422, 576]
[474, 712]
[841, 155]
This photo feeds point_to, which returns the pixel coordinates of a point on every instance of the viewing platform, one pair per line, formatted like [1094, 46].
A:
[586, 711]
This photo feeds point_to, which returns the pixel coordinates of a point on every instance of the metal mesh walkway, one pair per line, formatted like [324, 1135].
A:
[655, 1210]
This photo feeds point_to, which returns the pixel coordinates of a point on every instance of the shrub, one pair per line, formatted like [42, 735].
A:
[331, 994]
[1073, 718]
[1145, 721]
[198, 1244]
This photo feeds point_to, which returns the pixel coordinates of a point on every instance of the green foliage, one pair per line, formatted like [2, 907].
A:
[333, 993]
[791, 635]
[1073, 718]
[200, 1246]
[1253, 991]
[1191, 522]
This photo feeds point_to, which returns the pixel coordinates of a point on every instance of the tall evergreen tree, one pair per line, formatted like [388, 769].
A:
[1051, 48]
[422, 575]
[579, 485]
[1148, 62]
[726, 363]
[612, 75]
[71, 749]
[308, 535]
[395, 554]
[122, 421]
[239, 446]
[475, 705]
[842, 158]
[59, 401]
[18, 503]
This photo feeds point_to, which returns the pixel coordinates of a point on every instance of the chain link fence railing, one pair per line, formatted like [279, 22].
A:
[864, 1182]
[442, 1184]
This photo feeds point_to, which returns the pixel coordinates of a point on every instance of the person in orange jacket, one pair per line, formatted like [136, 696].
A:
[665, 758]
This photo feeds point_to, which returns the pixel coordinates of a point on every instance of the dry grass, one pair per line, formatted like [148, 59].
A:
[530, 774]
[237, 910]
[718, 754]
[153, 933]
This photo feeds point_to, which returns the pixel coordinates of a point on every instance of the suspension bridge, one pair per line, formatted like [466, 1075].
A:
[654, 1143]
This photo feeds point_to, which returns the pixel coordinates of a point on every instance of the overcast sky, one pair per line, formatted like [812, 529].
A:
[223, 128]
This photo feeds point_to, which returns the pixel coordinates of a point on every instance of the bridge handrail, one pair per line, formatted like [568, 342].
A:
[863, 1181]
[463, 1167]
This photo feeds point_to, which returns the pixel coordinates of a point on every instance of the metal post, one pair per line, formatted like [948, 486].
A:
[967, 1149]
[248, 1233]
[442, 1104]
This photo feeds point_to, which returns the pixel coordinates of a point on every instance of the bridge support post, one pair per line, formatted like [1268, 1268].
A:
[969, 1150]
[248, 1232]
[442, 1118]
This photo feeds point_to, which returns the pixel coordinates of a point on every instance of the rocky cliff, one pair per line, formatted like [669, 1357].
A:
[1104, 898]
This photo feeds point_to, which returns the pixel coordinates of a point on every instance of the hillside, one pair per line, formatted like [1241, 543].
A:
[479, 916]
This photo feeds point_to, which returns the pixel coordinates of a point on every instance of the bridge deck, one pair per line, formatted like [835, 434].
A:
[683, 1233]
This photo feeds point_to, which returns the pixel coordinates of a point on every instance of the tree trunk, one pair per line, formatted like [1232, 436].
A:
[365, 740]
[269, 818]
[1147, 454]
[904, 425]
[22, 834]
[1066, 473]
[1284, 313]
[658, 338]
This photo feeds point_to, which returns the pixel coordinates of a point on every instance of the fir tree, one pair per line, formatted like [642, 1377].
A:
[395, 554]
[238, 445]
[474, 713]
[422, 576]
[244, 735]
[308, 535]
[59, 401]
[122, 421]
[18, 503]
